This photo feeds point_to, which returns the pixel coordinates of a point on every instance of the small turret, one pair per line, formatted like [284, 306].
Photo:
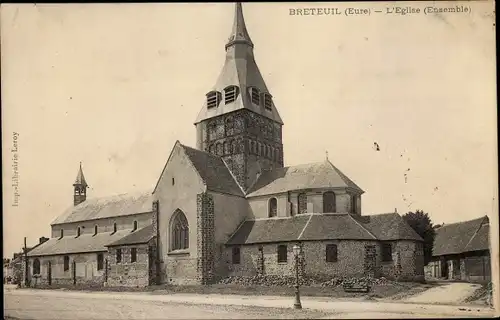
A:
[80, 188]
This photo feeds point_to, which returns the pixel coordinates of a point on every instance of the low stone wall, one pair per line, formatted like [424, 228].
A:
[127, 273]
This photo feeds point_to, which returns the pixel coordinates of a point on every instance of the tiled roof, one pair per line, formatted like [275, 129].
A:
[307, 176]
[310, 227]
[269, 230]
[480, 241]
[106, 207]
[458, 237]
[84, 243]
[137, 237]
[388, 226]
[213, 171]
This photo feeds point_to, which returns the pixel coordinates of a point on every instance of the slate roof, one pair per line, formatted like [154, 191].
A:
[106, 207]
[83, 244]
[137, 237]
[240, 69]
[307, 176]
[308, 227]
[213, 171]
[80, 178]
[462, 237]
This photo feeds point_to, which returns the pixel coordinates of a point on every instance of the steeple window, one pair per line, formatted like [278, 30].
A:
[230, 94]
[213, 99]
[255, 96]
[268, 102]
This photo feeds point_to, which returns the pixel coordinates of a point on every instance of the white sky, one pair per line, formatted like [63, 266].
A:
[115, 85]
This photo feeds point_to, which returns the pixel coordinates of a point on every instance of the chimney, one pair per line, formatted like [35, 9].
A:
[42, 240]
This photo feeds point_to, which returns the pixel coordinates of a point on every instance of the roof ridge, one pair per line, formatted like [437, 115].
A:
[460, 222]
[363, 227]
[234, 178]
[183, 147]
[475, 233]
[305, 226]
[343, 176]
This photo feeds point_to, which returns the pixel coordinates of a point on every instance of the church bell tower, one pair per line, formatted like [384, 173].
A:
[80, 188]
[239, 120]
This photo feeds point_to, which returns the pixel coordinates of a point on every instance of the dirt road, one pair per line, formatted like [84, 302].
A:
[57, 304]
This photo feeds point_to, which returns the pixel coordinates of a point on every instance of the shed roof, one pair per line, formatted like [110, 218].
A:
[82, 244]
[141, 236]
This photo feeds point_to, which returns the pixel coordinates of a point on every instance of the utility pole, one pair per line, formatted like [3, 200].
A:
[25, 263]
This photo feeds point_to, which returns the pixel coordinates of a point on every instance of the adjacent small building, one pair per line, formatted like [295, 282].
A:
[462, 252]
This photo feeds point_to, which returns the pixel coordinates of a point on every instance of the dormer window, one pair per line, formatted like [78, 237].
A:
[255, 96]
[213, 99]
[230, 94]
[268, 101]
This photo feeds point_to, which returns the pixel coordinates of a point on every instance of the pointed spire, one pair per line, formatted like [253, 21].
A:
[239, 33]
[80, 178]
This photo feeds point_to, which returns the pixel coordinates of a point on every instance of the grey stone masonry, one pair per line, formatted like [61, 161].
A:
[206, 238]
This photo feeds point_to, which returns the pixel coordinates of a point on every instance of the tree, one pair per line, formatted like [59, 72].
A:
[422, 224]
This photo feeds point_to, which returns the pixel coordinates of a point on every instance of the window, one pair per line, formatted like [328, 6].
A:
[353, 203]
[179, 231]
[62, 233]
[36, 266]
[135, 226]
[302, 199]
[133, 255]
[230, 94]
[282, 253]
[118, 255]
[114, 227]
[66, 263]
[386, 252]
[236, 255]
[213, 99]
[331, 253]
[95, 230]
[268, 102]
[255, 96]
[78, 230]
[273, 207]
[173, 181]
[329, 201]
[100, 261]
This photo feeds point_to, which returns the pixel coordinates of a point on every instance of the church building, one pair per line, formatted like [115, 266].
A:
[227, 207]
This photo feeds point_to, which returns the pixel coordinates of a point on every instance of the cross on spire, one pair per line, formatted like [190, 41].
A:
[239, 33]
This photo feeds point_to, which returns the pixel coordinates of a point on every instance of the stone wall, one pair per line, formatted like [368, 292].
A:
[85, 271]
[127, 273]
[205, 238]
[351, 260]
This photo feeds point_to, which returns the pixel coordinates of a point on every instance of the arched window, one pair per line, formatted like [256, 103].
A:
[36, 266]
[230, 94]
[302, 200]
[78, 230]
[62, 233]
[329, 202]
[273, 207]
[95, 230]
[179, 230]
[135, 226]
[114, 227]
[255, 96]
[213, 99]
